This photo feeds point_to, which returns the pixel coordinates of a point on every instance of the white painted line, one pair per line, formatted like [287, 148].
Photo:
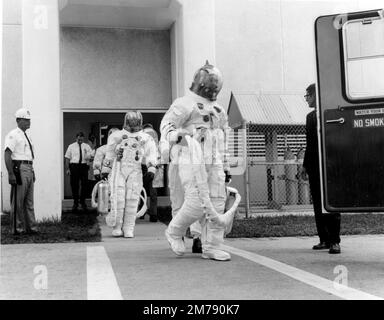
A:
[313, 280]
[101, 280]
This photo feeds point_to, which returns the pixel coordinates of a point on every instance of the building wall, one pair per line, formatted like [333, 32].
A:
[269, 45]
[115, 68]
[12, 95]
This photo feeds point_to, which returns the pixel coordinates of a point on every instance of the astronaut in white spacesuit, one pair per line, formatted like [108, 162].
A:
[126, 149]
[194, 133]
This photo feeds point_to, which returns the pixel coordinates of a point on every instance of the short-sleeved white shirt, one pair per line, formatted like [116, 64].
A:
[16, 141]
[73, 152]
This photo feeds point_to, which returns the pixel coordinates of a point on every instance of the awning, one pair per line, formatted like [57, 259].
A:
[267, 109]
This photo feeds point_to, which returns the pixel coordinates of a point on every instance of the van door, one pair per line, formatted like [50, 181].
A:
[350, 93]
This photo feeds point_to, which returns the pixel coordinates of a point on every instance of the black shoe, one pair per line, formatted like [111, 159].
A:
[75, 207]
[335, 248]
[196, 247]
[84, 207]
[321, 246]
[152, 218]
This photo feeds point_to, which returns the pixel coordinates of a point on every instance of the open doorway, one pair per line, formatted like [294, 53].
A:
[98, 124]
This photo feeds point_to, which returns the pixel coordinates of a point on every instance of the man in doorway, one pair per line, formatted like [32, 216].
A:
[18, 158]
[328, 224]
[76, 166]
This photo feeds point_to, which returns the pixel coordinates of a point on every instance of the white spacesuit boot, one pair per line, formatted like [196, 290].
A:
[212, 238]
[177, 199]
[176, 193]
[179, 224]
[117, 232]
[190, 211]
[129, 217]
[133, 187]
[213, 234]
[117, 204]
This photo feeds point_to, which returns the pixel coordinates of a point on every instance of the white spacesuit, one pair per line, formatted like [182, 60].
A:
[124, 155]
[99, 157]
[197, 115]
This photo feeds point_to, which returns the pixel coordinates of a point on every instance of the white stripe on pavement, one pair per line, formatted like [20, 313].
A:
[101, 281]
[303, 276]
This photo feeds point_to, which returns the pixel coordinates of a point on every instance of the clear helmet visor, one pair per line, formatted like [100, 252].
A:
[207, 82]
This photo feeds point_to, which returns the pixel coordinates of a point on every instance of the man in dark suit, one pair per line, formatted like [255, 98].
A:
[328, 224]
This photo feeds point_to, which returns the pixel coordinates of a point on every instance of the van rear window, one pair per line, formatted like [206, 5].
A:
[363, 47]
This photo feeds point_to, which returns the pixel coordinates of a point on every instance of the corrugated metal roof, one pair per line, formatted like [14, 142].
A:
[271, 108]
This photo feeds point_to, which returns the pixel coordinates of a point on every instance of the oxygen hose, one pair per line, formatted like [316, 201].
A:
[93, 197]
[111, 218]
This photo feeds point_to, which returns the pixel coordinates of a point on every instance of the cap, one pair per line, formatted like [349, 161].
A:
[23, 113]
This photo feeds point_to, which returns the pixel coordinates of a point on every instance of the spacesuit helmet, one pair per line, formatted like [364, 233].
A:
[133, 121]
[207, 82]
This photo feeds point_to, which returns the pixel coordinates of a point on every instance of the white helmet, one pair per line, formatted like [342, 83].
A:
[23, 113]
[207, 82]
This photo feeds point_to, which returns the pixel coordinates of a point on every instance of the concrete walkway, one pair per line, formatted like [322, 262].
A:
[145, 268]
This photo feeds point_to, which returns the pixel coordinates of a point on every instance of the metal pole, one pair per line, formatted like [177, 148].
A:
[246, 172]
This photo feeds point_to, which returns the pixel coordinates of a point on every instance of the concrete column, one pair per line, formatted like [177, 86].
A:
[1, 99]
[195, 37]
[41, 94]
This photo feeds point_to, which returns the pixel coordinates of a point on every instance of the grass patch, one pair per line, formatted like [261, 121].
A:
[293, 226]
[290, 226]
[73, 227]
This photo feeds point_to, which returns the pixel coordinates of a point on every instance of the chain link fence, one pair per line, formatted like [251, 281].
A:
[274, 168]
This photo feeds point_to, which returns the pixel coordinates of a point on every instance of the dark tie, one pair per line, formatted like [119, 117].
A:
[81, 154]
[30, 145]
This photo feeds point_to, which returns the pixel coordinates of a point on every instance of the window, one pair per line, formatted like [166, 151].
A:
[363, 41]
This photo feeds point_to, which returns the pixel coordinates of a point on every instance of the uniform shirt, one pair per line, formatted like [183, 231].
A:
[73, 153]
[18, 144]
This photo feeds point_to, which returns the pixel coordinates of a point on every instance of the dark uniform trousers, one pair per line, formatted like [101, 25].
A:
[151, 194]
[327, 224]
[79, 176]
[22, 201]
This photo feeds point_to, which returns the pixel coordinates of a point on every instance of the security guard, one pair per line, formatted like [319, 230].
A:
[18, 157]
